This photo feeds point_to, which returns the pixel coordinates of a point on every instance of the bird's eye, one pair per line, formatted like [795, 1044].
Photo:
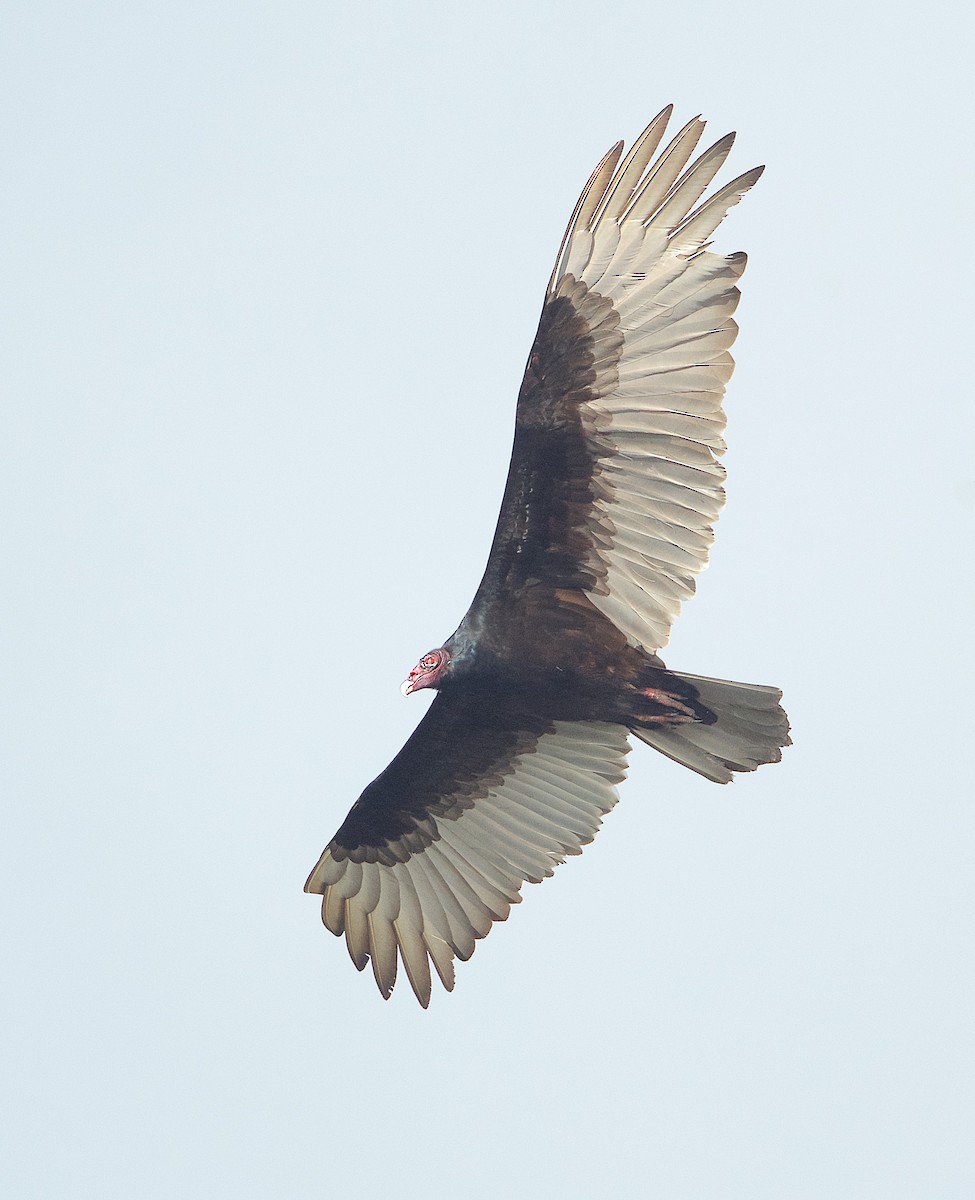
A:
[429, 661]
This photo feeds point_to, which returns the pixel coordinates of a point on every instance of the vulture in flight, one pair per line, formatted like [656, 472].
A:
[613, 488]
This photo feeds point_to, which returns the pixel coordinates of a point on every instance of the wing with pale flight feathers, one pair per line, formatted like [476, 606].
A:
[480, 800]
[614, 481]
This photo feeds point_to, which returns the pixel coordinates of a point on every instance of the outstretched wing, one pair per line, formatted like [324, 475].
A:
[437, 848]
[614, 480]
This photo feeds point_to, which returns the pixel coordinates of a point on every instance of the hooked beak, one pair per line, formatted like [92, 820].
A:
[406, 687]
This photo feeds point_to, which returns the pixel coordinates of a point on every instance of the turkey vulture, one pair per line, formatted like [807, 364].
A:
[613, 486]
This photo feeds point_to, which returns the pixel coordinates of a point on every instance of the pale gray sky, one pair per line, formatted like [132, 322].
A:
[272, 273]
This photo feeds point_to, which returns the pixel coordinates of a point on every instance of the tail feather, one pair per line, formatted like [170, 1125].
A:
[751, 728]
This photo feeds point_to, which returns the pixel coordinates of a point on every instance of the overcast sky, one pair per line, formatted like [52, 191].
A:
[271, 275]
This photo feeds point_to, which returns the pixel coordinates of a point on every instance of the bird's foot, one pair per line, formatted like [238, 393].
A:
[675, 711]
[667, 700]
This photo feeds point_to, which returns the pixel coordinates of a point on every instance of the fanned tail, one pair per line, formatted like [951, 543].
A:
[751, 728]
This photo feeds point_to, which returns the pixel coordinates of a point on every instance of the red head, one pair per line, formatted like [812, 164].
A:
[427, 672]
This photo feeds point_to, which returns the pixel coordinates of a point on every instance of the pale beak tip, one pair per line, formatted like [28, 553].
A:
[406, 687]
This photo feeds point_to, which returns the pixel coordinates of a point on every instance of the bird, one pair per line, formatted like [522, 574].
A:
[613, 487]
